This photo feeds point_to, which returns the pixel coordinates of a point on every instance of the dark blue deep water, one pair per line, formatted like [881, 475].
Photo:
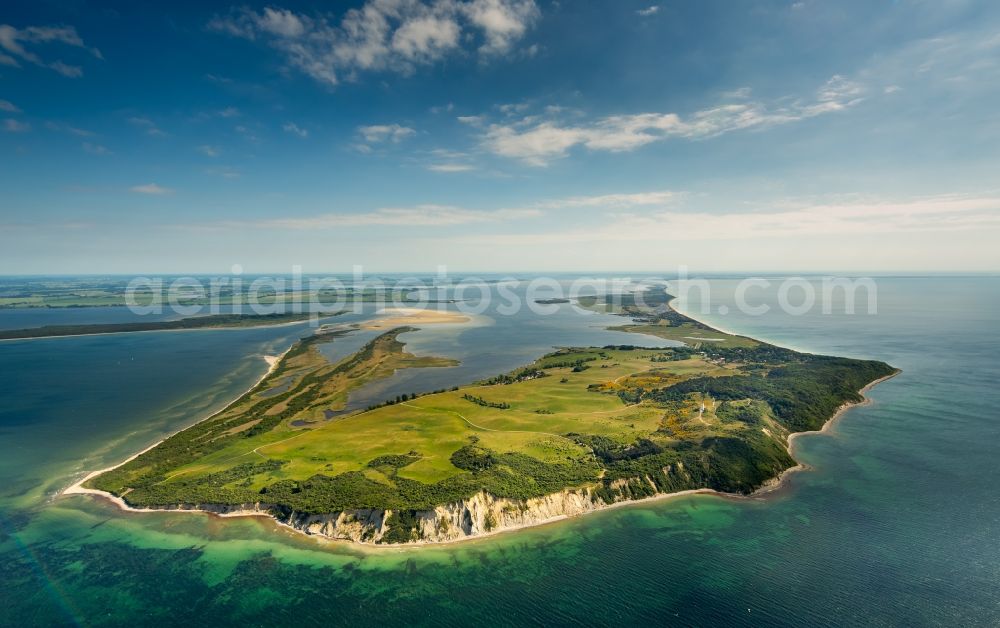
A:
[896, 523]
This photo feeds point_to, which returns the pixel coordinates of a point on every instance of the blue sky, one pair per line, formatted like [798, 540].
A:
[500, 135]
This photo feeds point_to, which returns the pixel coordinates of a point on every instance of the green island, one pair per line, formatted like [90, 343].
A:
[577, 430]
[212, 321]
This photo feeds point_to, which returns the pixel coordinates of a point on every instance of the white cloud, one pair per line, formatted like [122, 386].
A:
[503, 21]
[447, 153]
[385, 133]
[151, 188]
[209, 151]
[838, 92]
[95, 149]
[229, 112]
[295, 129]
[535, 146]
[614, 201]
[425, 38]
[650, 10]
[394, 35]
[510, 109]
[537, 143]
[15, 42]
[450, 167]
[14, 126]
[419, 216]
[281, 22]
[9, 107]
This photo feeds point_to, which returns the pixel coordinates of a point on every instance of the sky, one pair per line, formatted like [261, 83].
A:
[500, 135]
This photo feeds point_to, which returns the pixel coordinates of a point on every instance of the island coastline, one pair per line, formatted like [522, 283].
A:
[770, 486]
[773, 486]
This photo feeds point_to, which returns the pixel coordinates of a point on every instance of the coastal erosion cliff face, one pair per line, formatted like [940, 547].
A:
[480, 515]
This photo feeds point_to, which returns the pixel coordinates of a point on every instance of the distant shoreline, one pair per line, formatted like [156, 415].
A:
[193, 323]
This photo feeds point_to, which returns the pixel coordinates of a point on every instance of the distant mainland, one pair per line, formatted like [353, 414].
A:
[212, 321]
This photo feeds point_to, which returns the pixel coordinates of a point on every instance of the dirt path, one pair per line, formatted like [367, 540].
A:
[701, 411]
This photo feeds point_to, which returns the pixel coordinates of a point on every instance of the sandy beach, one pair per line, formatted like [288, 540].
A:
[400, 316]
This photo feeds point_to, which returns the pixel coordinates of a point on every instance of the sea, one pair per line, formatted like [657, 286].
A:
[894, 522]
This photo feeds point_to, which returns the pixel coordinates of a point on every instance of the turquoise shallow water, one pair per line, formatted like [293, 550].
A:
[898, 522]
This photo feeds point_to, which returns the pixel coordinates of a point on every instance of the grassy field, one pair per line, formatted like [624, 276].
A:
[310, 387]
[542, 411]
[626, 421]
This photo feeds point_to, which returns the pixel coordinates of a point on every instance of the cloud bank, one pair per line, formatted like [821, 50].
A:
[537, 143]
[795, 220]
[383, 35]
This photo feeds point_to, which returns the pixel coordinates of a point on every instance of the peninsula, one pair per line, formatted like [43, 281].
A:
[578, 430]
[212, 321]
